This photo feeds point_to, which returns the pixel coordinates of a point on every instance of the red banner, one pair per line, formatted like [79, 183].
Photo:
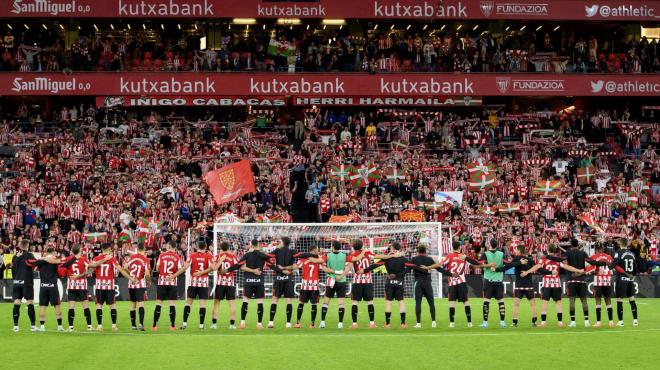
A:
[638, 10]
[376, 101]
[230, 182]
[326, 84]
[199, 101]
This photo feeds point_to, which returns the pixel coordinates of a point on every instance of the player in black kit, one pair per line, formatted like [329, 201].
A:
[23, 284]
[524, 287]
[625, 264]
[252, 264]
[49, 294]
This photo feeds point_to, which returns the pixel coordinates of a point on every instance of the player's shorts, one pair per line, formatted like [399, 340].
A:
[223, 292]
[548, 293]
[137, 294]
[393, 292]
[578, 290]
[104, 297]
[458, 293]
[524, 293]
[423, 288]
[49, 296]
[311, 296]
[362, 292]
[77, 295]
[166, 293]
[23, 292]
[493, 289]
[338, 290]
[198, 292]
[283, 289]
[254, 291]
[625, 289]
[603, 291]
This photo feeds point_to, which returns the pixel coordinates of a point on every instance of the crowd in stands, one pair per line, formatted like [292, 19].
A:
[113, 175]
[524, 50]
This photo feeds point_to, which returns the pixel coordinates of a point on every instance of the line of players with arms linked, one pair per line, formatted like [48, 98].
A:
[284, 260]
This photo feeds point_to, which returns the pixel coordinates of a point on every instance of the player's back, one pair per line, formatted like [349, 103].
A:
[230, 259]
[626, 260]
[456, 265]
[20, 269]
[310, 274]
[551, 281]
[422, 260]
[361, 264]
[200, 261]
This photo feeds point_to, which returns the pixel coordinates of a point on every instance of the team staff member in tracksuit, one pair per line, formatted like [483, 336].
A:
[423, 286]
[336, 283]
[493, 285]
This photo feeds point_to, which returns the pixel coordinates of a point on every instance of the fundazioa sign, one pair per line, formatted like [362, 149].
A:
[637, 10]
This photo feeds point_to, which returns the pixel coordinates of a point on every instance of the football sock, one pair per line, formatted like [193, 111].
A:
[244, 311]
[403, 317]
[515, 321]
[260, 312]
[609, 312]
[486, 308]
[141, 315]
[132, 314]
[88, 315]
[99, 316]
[571, 312]
[388, 316]
[543, 317]
[202, 315]
[468, 313]
[502, 310]
[156, 314]
[354, 313]
[172, 315]
[598, 313]
[113, 315]
[214, 321]
[42, 322]
[31, 314]
[16, 313]
[289, 311]
[452, 313]
[273, 310]
[324, 311]
[299, 313]
[585, 312]
[186, 313]
[633, 308]
[314, 312]
[619, 310]
[59, 321]
[341, 313]
[560, 316]
[372, 313]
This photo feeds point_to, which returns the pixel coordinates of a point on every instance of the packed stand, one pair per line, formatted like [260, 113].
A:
[300, 49]
[112, 175]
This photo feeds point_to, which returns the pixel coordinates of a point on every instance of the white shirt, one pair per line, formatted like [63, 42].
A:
[560, 166]
[601, 184]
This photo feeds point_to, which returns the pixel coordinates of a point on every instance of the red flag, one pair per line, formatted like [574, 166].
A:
[230, 182]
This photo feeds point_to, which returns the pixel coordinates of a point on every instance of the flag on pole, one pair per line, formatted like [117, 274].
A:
[474, 167]
[230, 182]
[96, 237]
[394, 173]
[508, 207]
[341, 171]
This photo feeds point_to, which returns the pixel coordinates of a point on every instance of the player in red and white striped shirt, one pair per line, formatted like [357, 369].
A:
[76, 273]
[200, 264]
[457, 264]
[363, 287]
[105, 264]
[225, 285]
[167, 265]
[139, 268]
[309, 290]
[551, 285]
[602, 283]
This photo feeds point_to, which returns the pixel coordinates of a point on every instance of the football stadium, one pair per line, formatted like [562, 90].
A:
[371, 183]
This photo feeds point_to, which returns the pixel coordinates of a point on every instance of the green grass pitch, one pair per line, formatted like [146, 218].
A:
[494, 348]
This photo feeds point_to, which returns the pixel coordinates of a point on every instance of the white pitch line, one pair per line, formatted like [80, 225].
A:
[359, 335]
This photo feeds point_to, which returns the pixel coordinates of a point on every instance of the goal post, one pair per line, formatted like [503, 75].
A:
[377, 237]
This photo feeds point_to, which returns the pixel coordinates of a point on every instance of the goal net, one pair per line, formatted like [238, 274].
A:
[377, 237]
